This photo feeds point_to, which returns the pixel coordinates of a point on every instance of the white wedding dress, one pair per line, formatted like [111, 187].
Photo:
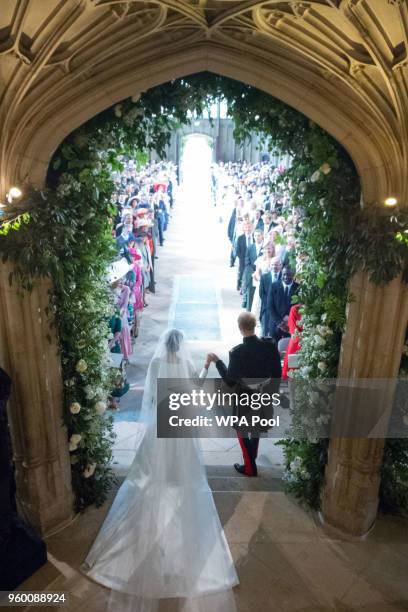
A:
[162, 538]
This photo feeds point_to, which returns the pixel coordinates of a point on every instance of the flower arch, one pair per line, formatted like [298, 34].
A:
[50, 238]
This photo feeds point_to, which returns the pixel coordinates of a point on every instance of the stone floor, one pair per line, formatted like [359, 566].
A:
[284, 560]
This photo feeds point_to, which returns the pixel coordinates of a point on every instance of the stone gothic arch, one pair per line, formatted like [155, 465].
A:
[343, 63]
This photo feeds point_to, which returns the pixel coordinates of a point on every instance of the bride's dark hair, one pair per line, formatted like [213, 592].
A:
[173, 340]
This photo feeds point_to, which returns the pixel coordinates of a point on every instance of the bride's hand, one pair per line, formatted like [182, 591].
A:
[212, 357]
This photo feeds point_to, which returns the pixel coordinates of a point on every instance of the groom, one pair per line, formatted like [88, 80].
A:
[254, 358]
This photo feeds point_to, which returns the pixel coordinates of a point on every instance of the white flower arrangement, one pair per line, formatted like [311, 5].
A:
[296, 464]
[100, 407]
[325, 168]
[75, 408]
[74, 442]
[81, 366]
[89, 392]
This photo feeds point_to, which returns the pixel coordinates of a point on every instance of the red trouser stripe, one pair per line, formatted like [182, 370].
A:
[245, 444]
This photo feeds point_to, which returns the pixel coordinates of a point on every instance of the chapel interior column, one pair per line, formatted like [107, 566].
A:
[29, 354]
[372, 346]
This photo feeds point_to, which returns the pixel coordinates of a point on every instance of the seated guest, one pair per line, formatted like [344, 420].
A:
[278, 305]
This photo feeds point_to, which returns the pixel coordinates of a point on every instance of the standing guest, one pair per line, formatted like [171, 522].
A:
[115, 325]
[252, 254]
[253, 359]
[146, 265]
[231, 233]
[243, 243]
[264, 285]
[259, 219]
[295, 328]
[123, 293]
[262, 266]
[279, 302]
[136, 287]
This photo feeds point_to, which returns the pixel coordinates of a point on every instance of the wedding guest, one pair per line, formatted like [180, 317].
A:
[262, 266]
[279, 302]
[243, 243]
[123, 293]
[295, 327]
[252, 254]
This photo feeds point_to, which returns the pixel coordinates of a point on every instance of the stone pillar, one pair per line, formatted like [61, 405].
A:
[372, 345]
[29, 353]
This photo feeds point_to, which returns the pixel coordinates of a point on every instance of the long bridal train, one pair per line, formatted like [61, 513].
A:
[162, 545]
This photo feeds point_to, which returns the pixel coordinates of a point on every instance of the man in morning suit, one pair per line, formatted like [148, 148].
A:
[243, 243]
[253, 359]
[279, 303]
[231, 233]
[265, 282]
[252, 254]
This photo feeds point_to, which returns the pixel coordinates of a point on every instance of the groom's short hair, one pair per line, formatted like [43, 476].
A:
[247, 321]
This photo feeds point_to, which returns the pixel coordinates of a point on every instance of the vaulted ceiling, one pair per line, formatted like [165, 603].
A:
[342, 62]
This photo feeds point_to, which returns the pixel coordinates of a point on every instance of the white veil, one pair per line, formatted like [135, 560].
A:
[162, 543]
[171, 359]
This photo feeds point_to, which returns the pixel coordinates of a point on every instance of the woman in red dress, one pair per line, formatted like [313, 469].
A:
[294, 345]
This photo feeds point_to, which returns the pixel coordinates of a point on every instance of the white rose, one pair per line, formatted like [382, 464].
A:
[325, 168]
[100, 407]
[89, 392]
[75, 438]
[295, 464]
[89, 470]
[118, 110]
[322, 366]
[315, 176]
[72, 447]
[324, 317]
[319, 341]
[75, 407]
[81, 366]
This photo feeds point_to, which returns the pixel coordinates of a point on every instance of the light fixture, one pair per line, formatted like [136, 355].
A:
[391, 201]
[14, 193]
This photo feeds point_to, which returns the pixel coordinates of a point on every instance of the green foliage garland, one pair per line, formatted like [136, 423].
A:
[63, 233]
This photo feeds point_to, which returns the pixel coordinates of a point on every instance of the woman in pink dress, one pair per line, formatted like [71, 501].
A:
[136, 286]
[122, 304]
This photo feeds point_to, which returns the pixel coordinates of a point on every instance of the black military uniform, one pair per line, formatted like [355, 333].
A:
[253, 359]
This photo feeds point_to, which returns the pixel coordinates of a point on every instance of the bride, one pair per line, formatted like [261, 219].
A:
[162, 541]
